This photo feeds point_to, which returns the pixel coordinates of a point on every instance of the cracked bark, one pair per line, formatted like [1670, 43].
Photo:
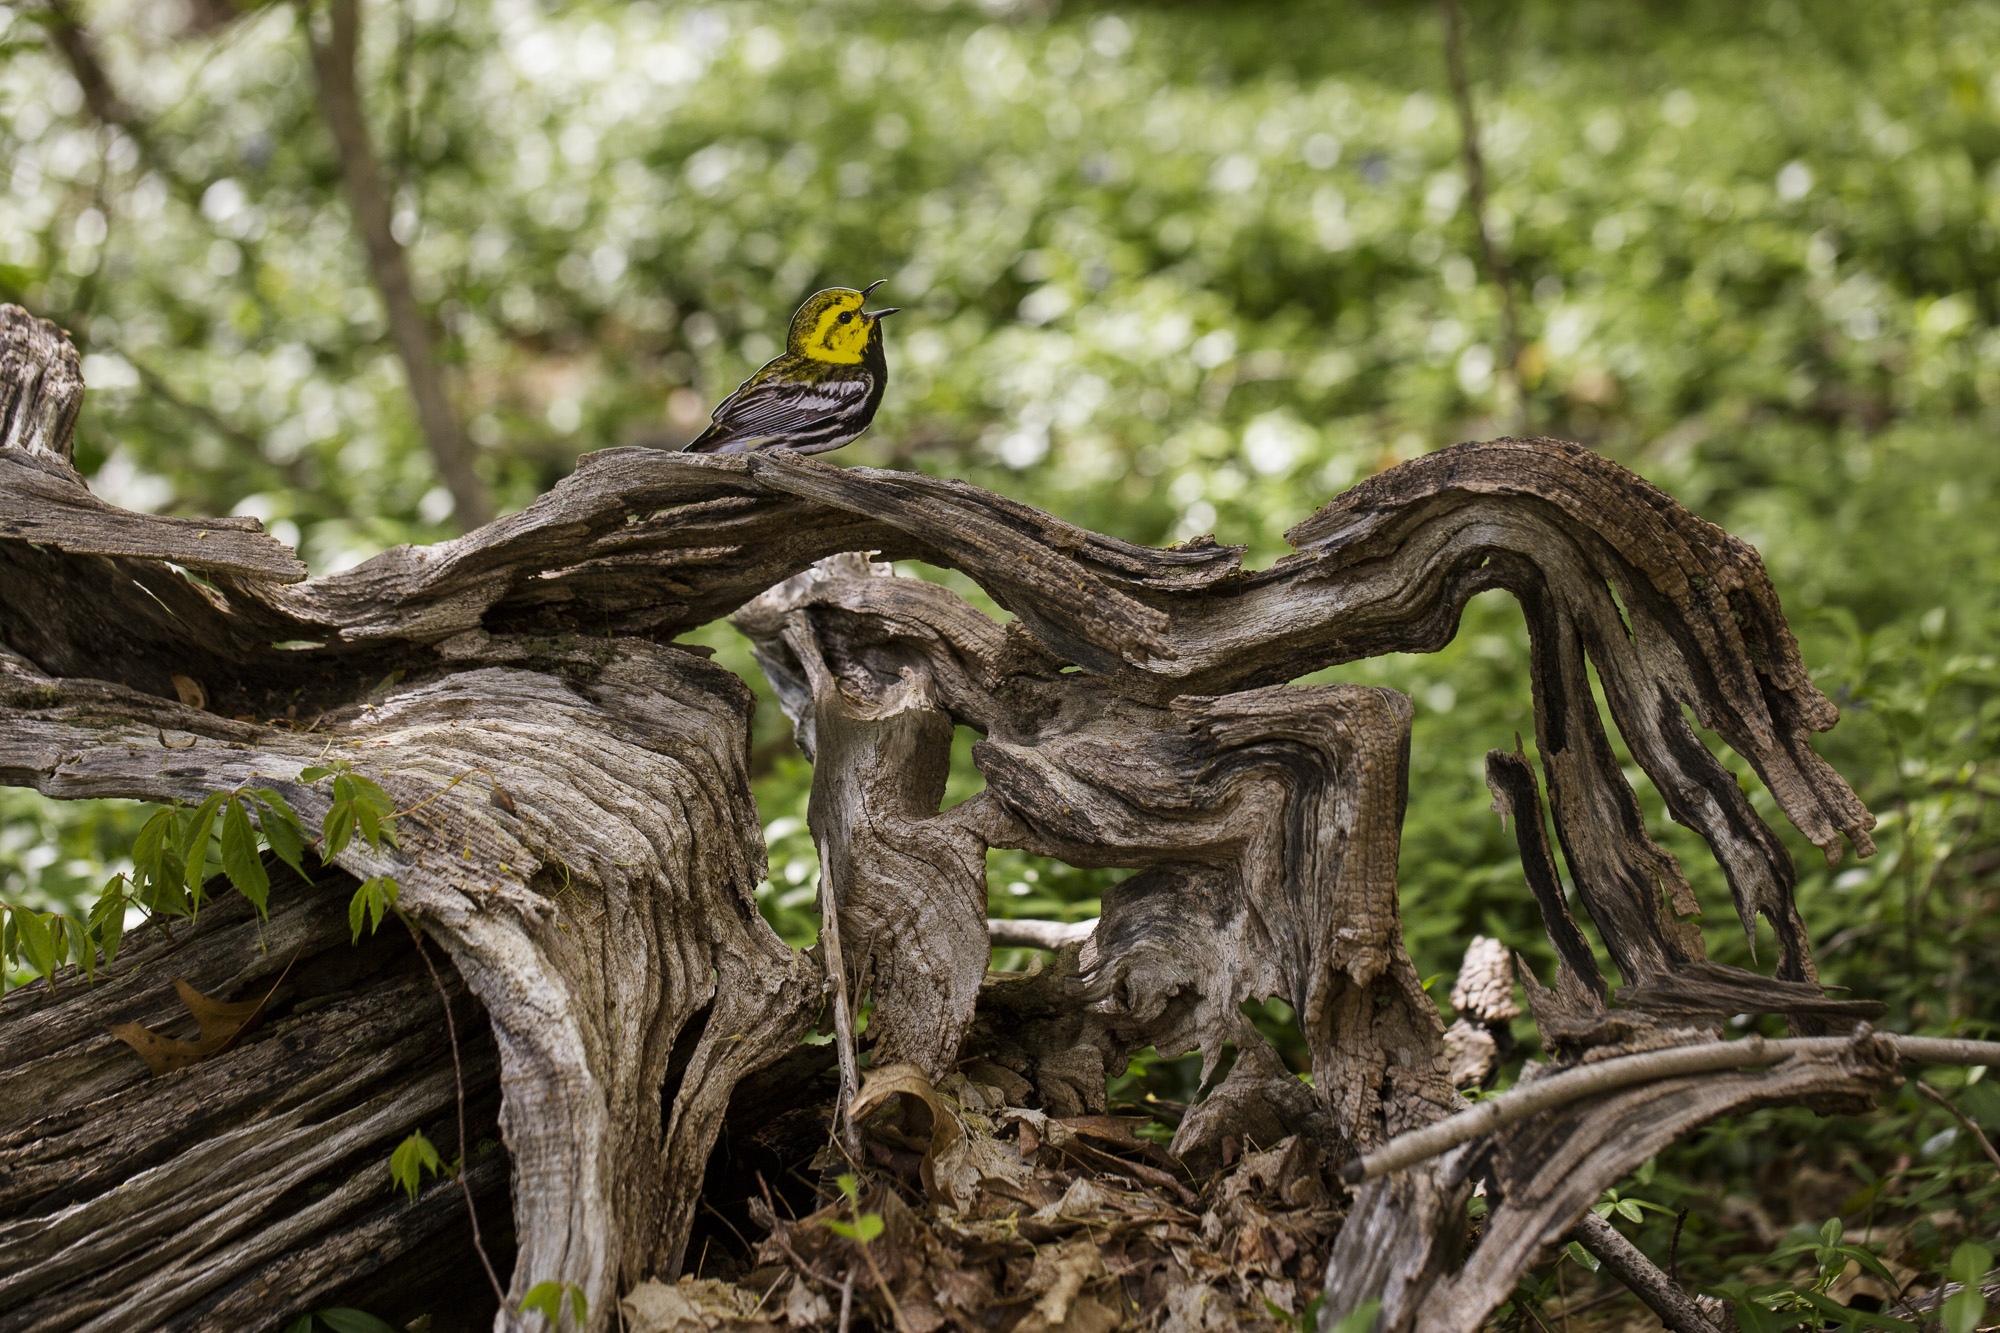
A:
[582, 840]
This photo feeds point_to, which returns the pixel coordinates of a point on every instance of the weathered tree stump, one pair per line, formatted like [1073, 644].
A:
[581, 838]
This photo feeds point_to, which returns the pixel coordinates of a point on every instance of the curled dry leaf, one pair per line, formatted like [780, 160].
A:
[190, 691]
[908, 1081]
[222, 1026]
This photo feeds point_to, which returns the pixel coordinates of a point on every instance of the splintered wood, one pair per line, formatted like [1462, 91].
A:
[581, 837]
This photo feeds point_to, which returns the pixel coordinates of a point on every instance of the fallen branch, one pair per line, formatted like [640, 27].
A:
[1629, 1265]
[1024, 934]
[1647, 1067]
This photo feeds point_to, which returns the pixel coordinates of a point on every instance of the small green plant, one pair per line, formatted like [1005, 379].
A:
[1777, 1306]
[170, 868]
[1966, 1307]
[546, 1300]
[1626, 1206]
[865, 1226]
[1307, 1320]
[171, 860]
[413, 1157]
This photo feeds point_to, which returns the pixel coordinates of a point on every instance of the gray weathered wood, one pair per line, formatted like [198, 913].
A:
[578, 829]
[131, 1201]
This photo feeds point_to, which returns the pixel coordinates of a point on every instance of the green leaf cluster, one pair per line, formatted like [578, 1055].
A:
[413, 1158]
[548, 1298]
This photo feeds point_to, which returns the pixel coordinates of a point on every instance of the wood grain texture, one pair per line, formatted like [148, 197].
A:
[579, 830]
[131, 1201]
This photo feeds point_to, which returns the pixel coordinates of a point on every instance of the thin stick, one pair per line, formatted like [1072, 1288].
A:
[1601, 1299]
[731, 1225]
[880, 1285]
[1490, 254]
[1023, 933]
[1572, 1085]
[464, 1146]
[846, 1299]
[1978, 1135]
[846, 1132]
[1630, 1265]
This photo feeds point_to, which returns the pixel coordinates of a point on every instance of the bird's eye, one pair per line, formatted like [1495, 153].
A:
[847, 316]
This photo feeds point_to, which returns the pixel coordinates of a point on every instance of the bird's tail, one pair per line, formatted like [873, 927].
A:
[711, 441]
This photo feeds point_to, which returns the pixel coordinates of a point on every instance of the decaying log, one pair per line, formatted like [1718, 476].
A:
[237, 1189]
[577, 827]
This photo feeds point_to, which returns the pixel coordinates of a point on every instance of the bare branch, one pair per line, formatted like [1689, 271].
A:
[1020, 933]
[1970, 1125]
[1573, 1085]
[333, 60]
[1675, 1307]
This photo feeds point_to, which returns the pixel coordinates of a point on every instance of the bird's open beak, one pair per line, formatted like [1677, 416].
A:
[872, 286]
[877, 314]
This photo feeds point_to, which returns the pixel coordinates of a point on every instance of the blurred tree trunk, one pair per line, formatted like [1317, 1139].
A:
[333, 61]
[576, 828]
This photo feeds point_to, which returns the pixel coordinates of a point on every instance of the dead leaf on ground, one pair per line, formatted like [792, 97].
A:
[1067, 1279]
[693, 1305]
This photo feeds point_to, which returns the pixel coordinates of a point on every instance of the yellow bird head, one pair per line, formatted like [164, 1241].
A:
[832, 326]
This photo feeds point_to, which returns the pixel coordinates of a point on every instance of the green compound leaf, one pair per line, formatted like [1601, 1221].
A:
[194, 843]
[338, 830]
[239, 856]
[41, 943]
[149, 849]
[546, 1299]
[271, 797]
[369, 823]
[413, 1157]
[82, 949]
[281, 829]
[107, 916]
[372, 899]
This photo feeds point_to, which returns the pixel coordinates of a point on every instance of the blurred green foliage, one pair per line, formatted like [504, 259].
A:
[1172, 269]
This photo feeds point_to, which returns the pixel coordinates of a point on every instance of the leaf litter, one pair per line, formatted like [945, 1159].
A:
[1003, 1219]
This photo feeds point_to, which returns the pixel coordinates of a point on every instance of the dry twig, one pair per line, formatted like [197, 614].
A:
[1574, 1085]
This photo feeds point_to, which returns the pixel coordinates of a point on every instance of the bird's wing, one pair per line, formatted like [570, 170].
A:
[778, 407]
